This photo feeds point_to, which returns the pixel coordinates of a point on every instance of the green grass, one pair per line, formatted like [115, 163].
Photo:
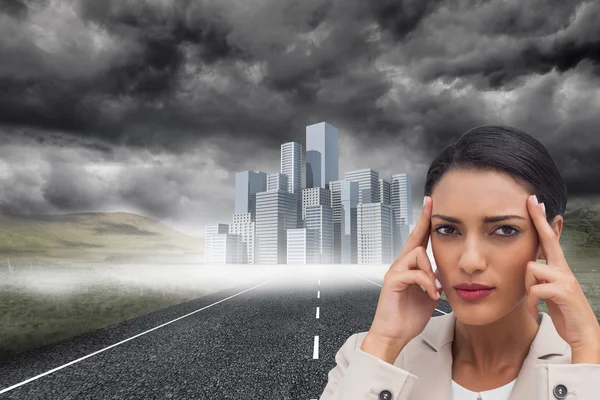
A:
[30, 320]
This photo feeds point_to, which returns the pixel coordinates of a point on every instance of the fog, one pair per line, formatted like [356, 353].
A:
[74, 278]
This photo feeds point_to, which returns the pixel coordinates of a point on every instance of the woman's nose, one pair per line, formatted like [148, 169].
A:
[472, 260]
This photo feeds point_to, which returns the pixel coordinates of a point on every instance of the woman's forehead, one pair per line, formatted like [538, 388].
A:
[472, 181]
[468, 191]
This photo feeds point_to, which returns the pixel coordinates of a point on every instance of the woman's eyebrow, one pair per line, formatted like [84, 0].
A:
[486, 220]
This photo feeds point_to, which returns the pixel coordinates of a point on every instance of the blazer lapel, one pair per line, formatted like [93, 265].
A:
[430, 356]
[547, 345]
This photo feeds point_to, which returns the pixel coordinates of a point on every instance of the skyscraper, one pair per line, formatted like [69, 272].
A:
[368, 184]
[275, 214]
[320, 219]
[384, 191]
[209, 231]
[244, 227]
[247, 184]
[226, 249]
[374, 233]
[277, 182]
[291, 165]
[315, 197]
[401, 202]
[302, 246]
[348, 222]
[321, 155]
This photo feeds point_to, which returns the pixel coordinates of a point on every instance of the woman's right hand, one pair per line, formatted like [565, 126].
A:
[404, 309]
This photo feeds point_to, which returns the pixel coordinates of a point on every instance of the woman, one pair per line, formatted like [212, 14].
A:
[494, 204]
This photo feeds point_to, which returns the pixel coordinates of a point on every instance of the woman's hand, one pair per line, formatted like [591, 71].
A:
[554, 282]
[404, 308]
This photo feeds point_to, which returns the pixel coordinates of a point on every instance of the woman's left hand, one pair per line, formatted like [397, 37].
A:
[554, 282]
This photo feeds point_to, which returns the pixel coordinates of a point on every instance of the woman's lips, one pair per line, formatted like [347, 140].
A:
[472, 295]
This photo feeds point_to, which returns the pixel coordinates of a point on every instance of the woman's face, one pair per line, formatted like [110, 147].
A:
[468, 249]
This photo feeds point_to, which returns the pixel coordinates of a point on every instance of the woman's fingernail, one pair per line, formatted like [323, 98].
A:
[438, 284]
[424, 200]
[543, 207]
[535, 200]
[437, 295]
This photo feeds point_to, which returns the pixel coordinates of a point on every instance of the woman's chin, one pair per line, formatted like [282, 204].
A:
[473, 314]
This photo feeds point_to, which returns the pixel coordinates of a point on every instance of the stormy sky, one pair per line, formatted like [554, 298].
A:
[152, 106]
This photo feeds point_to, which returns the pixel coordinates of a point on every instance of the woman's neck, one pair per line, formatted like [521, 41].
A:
[503, 344]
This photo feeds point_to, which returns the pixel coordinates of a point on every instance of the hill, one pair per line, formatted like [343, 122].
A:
[114, 236]
[582, 227]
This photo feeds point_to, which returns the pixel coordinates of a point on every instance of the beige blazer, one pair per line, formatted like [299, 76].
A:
[423, 369]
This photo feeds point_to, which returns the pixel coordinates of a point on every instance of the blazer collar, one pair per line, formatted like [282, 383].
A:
[440, 331]
[436, 364]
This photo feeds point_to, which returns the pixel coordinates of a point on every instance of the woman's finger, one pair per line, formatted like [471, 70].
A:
[420, 234]
[400, 280]
[417, 258]
[536, 272]
[549, 241]
[540, 291]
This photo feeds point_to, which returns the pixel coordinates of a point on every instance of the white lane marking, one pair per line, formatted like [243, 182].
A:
[123, 341]
[319, 281]
[437, 309]
[316, 349]
[317, 312]
[318, 294]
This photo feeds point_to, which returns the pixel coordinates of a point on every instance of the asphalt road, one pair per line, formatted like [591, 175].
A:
[257, 341]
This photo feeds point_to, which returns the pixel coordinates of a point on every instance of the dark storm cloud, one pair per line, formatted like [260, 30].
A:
[506, 41]
[138, 105]
[14, 8]
[401, 17]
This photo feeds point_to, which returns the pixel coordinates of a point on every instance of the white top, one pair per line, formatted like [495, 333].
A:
[501, 393]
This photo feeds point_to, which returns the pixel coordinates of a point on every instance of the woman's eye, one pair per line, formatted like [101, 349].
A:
[506, 230]
[443, 227]
[512, 231]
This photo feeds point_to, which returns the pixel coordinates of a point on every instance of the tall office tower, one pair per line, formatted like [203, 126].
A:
[209, 231]
[320, 219]
[384, 191]
[374, 233]
[291, 165]
[247, 184]
[302, 246]
[321, 155]
[401, 202]
[368, 184]
[226, 249]
[335, 189]
[244, 227]
[315, 197]
[348, 225]
[275, 214]
[277, 181]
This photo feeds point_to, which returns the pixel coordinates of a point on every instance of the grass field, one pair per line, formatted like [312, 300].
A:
[42, 305]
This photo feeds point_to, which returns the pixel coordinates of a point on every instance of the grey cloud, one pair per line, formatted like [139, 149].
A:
[153, 97]
[499, 43]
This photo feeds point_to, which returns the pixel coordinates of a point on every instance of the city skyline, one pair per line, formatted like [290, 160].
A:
[277, 219]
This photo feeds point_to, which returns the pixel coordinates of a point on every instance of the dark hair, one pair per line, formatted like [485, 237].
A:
[509, 150]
